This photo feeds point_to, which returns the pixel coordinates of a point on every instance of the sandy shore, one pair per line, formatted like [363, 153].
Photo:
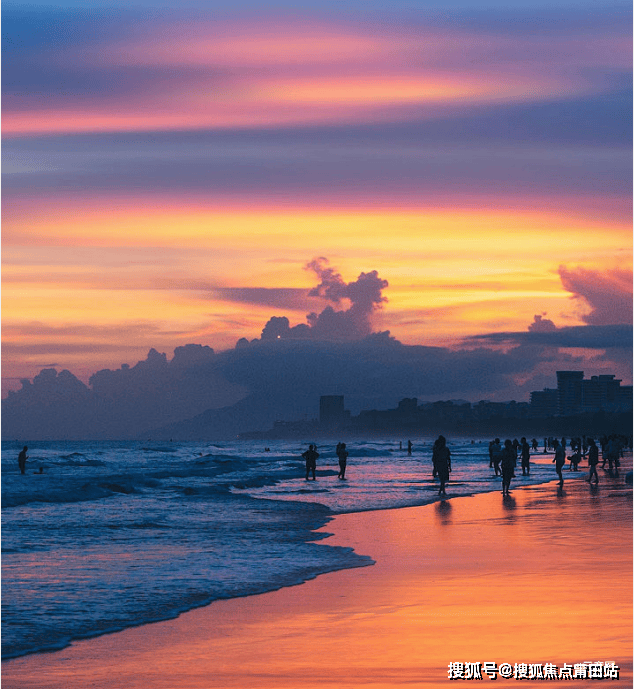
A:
[536, 578]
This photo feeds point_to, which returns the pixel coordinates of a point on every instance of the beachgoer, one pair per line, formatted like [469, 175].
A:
[22, 459]
[409, 447]
[441, 458]
[574, 461]
[593, 460]
[342, 453]
[535, 446]
[613, 452]
[311, 456]
[516, 446]
[560, 460]
[509, 460]
[491, 454]
[497, 456]
[526, 458]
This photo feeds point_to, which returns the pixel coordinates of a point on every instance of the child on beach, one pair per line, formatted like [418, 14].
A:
[575, 459]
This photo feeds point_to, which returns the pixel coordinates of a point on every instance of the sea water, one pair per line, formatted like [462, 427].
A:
[113, 535]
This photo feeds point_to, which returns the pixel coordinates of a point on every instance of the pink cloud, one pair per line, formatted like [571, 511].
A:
[608, 293]
[232, 74]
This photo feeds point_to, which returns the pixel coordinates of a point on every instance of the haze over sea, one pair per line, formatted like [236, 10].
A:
[113, 535]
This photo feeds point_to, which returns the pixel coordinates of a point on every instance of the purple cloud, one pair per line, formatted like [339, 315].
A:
[607, 293]
[542, 325]
[353, 323]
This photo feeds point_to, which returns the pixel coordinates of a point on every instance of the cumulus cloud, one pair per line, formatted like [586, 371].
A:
[541, 325]
[362, 298]
[607, 293]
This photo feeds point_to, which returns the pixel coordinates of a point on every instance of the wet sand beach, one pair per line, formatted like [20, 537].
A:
[537, 577]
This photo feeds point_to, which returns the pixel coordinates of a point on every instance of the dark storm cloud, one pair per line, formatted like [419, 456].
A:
[284, 378]
[581, 336]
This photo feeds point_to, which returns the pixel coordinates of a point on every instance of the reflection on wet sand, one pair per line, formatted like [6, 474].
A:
[536, 578]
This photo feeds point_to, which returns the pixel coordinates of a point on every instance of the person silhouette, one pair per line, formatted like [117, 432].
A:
[509, 460]
[593, 460]
[441, 458]
[342, 454]
[22, 459]
[526, 457]
[409, 447]
[559, 460]
[311, 456]
[496, 453]
[575, 459]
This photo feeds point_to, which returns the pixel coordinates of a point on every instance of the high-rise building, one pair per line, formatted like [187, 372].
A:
[569, 392]
[331, 410]
[544, 403]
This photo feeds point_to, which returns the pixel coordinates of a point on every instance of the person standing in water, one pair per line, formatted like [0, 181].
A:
[342, 453]
[22, 460]
[311, 456]
[509, 460]
[526, 458]
[496, 453]
[441, 458]
[593, 460]
[560, 460]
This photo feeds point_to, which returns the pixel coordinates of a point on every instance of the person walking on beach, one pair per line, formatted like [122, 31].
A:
[409, 447]
[560, 460]
[509, 460]
[342, 454]
[311, 456]
[441, 458]
[593, 460]
[22, 460]
[526, 458]
[497, 456]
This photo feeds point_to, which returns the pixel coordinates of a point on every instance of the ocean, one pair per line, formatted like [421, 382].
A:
[113, 535]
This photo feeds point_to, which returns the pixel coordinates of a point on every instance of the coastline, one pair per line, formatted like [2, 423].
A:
[540, 577]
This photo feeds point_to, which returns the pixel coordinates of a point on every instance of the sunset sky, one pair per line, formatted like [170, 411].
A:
[171, 169]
